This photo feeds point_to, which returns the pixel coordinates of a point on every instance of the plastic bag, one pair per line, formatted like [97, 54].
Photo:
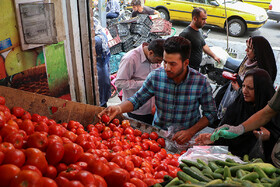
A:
[228, 98]
[257, 151]
[222, 54]
[208, 153]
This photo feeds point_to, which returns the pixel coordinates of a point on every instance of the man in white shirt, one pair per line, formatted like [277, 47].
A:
[133, 70]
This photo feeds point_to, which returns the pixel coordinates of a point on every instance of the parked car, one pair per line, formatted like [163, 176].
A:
[274, 10]
[242, 17]
[260, 3]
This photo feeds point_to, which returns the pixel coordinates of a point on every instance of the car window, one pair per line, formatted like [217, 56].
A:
[200, 1]
[188, 0]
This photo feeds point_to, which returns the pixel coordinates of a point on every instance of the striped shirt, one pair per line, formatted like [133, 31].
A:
[177, 105]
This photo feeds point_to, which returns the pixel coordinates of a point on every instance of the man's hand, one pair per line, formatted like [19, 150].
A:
[264, 134]
[235, 85]
[111, 111]
[227, 132]
[203, 139]
[217, 59]
[182, 136]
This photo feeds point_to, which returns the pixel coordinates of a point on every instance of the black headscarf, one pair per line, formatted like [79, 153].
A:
[264, 55]
[241, 110]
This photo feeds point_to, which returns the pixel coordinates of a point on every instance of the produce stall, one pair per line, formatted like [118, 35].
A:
[51, 141]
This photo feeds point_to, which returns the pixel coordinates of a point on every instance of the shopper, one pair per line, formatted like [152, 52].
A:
[113, 9]
[257, 90]
[194, 34]
[138, 8]
[133, 70]
[180, 92]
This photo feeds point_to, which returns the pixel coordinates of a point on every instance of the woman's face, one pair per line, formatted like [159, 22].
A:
[248, 89]
[250, 50]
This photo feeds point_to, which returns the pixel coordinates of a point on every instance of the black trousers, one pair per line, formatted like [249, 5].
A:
[144, 118]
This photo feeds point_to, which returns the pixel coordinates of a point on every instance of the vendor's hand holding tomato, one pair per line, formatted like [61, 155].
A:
[110, 111]
[183, 136]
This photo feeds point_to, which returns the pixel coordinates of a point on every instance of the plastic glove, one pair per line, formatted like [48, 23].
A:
[227, 132]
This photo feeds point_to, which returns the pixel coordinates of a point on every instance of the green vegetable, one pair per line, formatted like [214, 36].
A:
[224, 163]
[213, 182]
[219, 170]
[167, 178]
[185, 177]
[251, 176]
[183, 165]
[157, 185]
[174, 182]
[196, 175]
[217, 176]
[190, 185]
[276, 183]
[260, 172]
[246, 158]
[196, 170]
[201, 162]
[230, 160]
[257, 160]
[191, 163]
[227, 172]
[240, 173]
[213, 166]
[267, 180]
[266, 167]
[245, 167]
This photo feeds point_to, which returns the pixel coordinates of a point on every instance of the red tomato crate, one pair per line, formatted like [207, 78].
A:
[161, 27]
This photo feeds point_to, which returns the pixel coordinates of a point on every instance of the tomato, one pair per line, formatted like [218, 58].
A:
[32, 168]
[72, 153]
[129, 166]
[37, 140]
[47, 182]
[36, 118]
[160, 174]
[162, 167]
[26, 115]
[105, 118]
[129, 130]
[100, 127]
[138, 182]
[16, 139]
[80, 130]
[2, 119]
[70, 173]
[145, 136]
[27, 126]
[117, 177]
[61, 167]
[137, 161]
[2, 156]
[161, 142]
[54, 138]
[27, 177]
[14, 156]
[74, 183]
[125, 124]
[51, 172]
[113, 165]
[98, 167]
[56, 130]
[116, 121]
[17, 111]
[42, 127]
[153, 136]
[66, 140]
[137, 132]
[54, 153]
[137, 174]
[2, 100]
[106, 134]
[155, 147]
[7, 129]
[128, 184]
[88, 157]
[36, 158]
[119, 160]
[8, 172]
[99, 181]
[61, 181]
[81, 138]
[149, 181]
[85, 177]
[70, 135]
[5, 146]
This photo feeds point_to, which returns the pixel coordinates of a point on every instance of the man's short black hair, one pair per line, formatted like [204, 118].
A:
[178, 44]
[196, 12]
[157, 47]
[136, 2]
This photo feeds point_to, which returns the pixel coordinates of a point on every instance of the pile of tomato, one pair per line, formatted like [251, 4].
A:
[37, 151]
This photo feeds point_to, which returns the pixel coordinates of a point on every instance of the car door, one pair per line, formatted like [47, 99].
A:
[215, 13]
[179, 9]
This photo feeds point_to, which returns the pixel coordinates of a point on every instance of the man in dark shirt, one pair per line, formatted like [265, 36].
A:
[194, 34]
[138, 8]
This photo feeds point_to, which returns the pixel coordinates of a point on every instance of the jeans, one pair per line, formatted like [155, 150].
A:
[112, 15]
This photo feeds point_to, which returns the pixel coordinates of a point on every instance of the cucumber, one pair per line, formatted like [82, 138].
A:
[196, 170]
[219, 170]
[273, 176]
[240, 173]
[266, 184]
[246, 158]
[251, 176]
[207, 168]
[246, 183]
[167, 178]
[157, 185]
[191, 163]
[277, 171]
[245, 167]
[261, 173]
[224, 163]
[196, 175]
[276, 183]
[213, 166]
[227, 172]
[267, 180]
[201, 162]
[230, 160]
[257, 160]
[176, 181]
[185, 177]
[217, 176]
[190, 185]
[182, 165]
[213, 182]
